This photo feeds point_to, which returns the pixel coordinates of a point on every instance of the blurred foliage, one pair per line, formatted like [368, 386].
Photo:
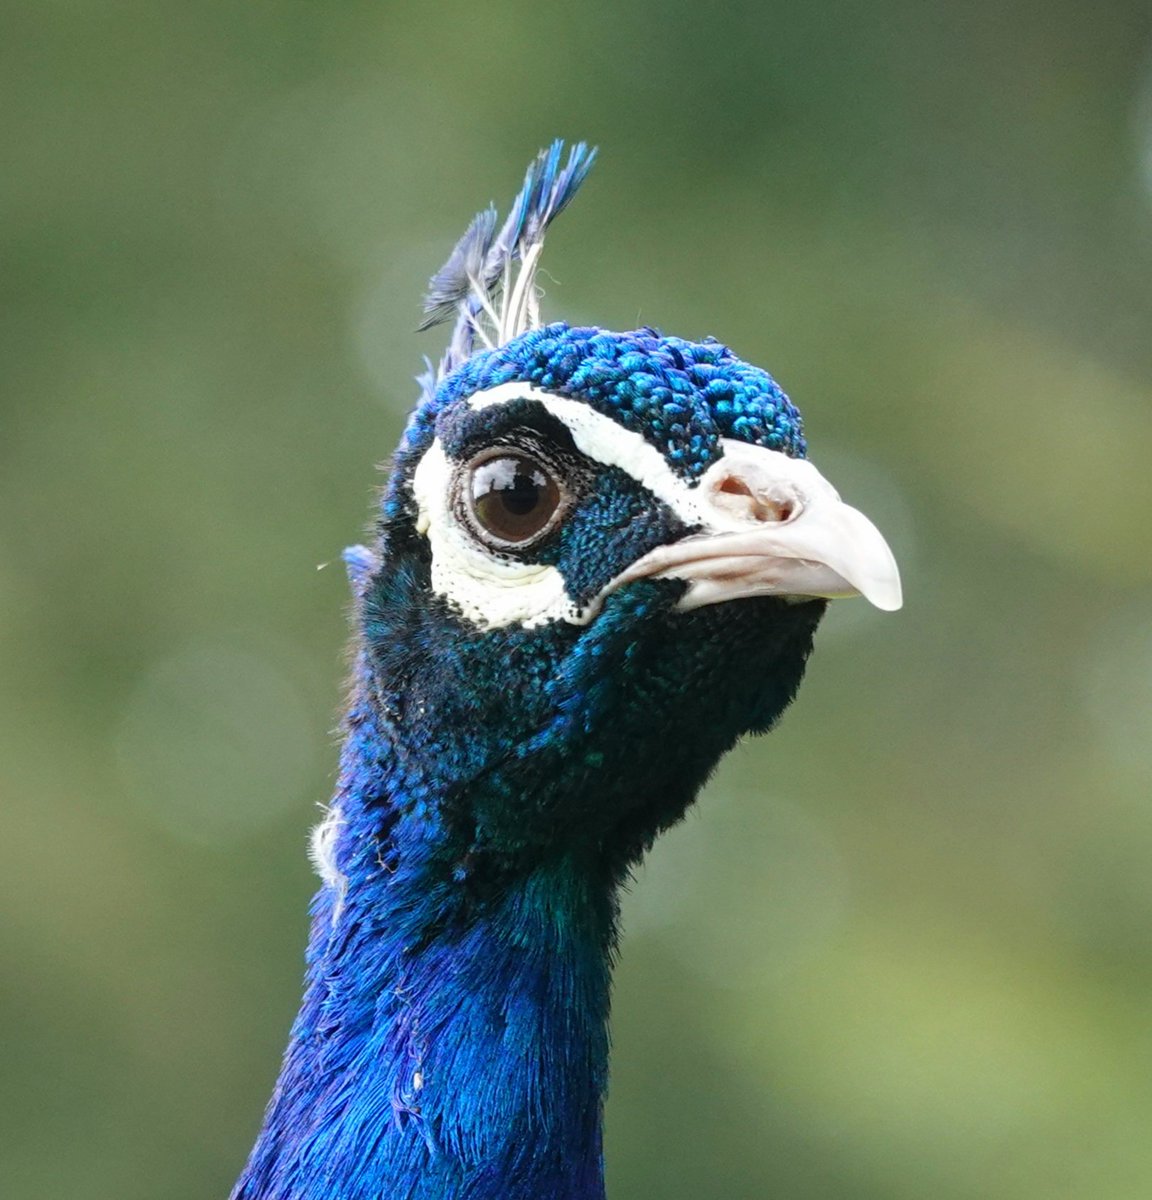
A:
[903, 947]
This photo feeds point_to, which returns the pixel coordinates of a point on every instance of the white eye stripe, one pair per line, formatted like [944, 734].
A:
[606, 441]
[603, 439]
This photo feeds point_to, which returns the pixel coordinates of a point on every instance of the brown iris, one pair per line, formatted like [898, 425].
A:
[511, 498]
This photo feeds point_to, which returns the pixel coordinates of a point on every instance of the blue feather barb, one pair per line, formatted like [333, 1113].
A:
[488, 282]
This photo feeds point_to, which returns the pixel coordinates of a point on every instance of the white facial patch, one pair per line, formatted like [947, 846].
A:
[494, 591]
[490, 590]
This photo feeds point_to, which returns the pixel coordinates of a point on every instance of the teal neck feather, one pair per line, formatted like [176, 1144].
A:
[453, 1040]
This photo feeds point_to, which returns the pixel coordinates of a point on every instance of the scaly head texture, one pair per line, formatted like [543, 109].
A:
[600, 559]
[683, 397]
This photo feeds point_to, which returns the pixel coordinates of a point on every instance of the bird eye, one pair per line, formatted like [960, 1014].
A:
[511, 499]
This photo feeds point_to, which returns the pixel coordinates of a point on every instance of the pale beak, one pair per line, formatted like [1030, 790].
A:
[773, 526]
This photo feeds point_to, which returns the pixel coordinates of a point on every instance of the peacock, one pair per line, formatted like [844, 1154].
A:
[599, 560]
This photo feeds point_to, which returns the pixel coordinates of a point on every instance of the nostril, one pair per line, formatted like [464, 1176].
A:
[733, 485]
[737, 495]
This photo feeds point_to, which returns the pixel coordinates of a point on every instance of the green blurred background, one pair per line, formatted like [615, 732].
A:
[903, 947]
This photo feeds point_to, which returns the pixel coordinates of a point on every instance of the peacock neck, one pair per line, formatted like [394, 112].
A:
[453, 1036]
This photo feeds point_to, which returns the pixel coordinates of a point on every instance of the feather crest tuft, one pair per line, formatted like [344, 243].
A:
[489, 280]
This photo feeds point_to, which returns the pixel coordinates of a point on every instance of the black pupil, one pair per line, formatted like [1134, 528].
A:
[513, 497]
[523, 496]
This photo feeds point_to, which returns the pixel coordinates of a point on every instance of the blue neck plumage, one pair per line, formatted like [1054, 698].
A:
[452, 1040]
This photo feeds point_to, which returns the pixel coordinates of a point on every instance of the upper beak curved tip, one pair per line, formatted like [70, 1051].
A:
[874, 575]
[885, 593]
[855, 549]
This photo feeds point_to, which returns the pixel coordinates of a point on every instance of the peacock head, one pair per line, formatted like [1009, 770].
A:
[601, 560]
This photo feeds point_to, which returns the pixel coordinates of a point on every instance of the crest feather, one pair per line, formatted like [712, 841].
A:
[489, 280]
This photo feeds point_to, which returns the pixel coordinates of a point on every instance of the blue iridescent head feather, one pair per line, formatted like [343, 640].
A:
[681, 396]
